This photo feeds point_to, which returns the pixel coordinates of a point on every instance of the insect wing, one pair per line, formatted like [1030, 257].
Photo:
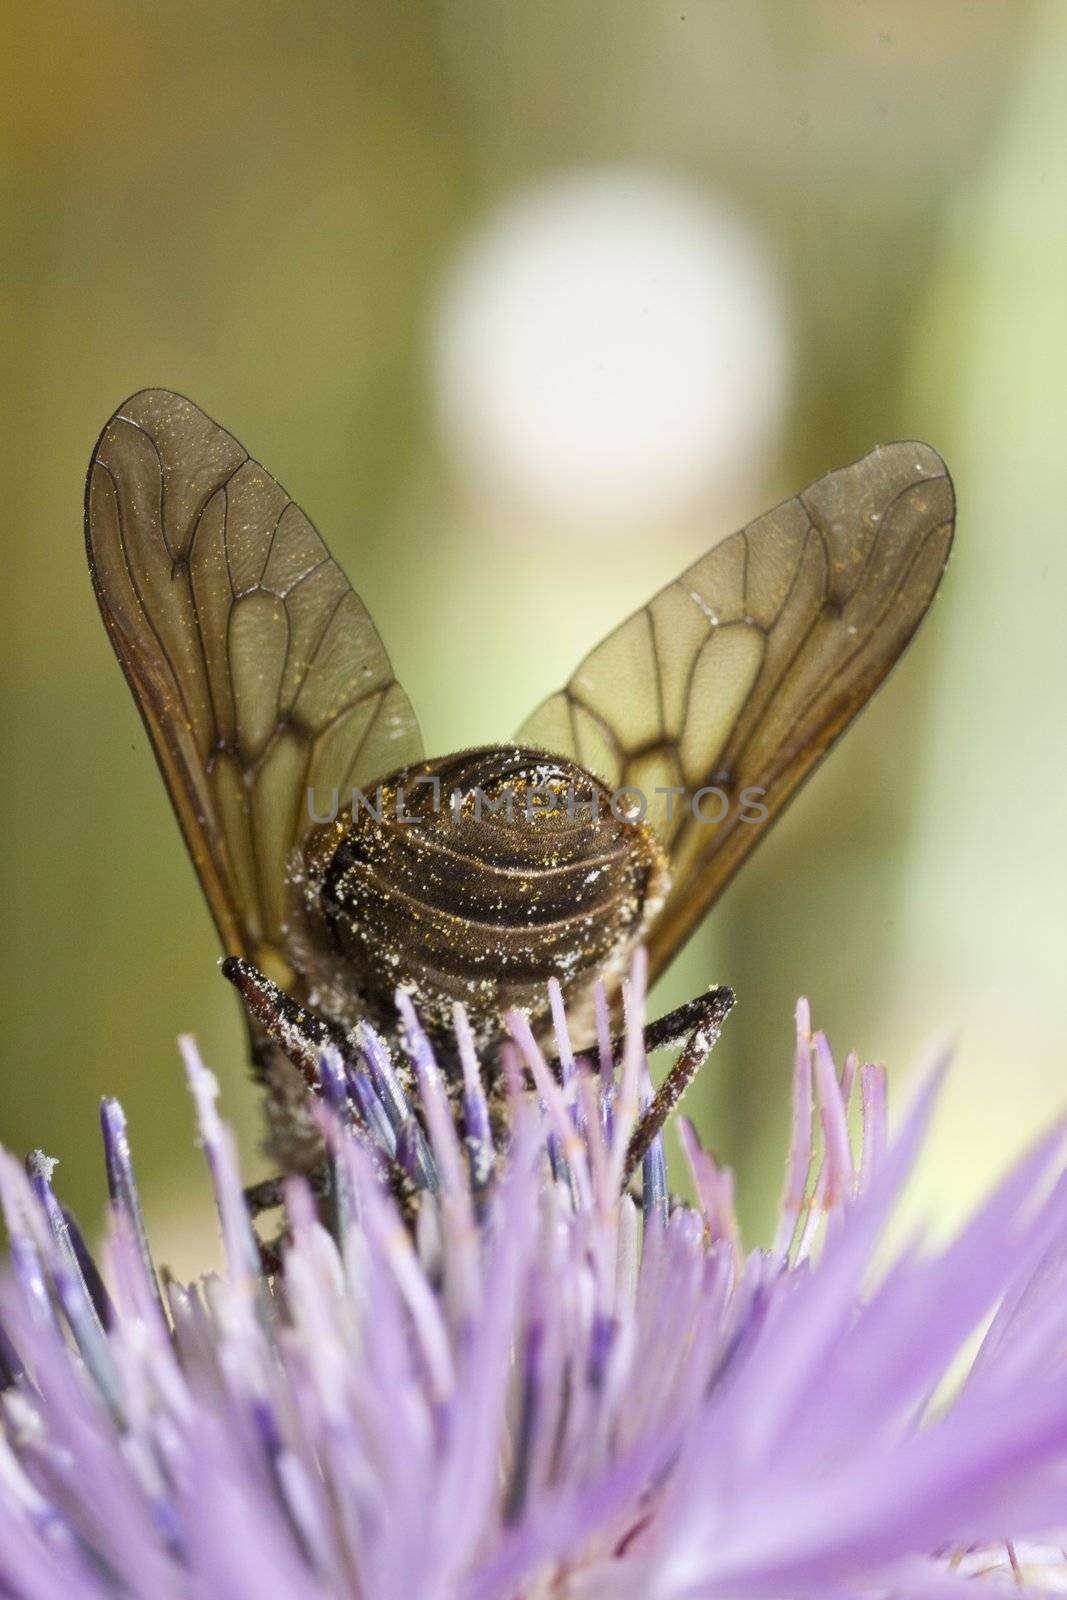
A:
[256, 668]
[741, 674]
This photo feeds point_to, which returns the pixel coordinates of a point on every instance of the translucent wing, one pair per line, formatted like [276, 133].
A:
[742, 673]
[257, 669]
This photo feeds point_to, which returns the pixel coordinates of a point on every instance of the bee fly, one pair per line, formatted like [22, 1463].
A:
[476, 877]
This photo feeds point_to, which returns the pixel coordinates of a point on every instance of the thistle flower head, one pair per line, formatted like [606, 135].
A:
[546, 1380]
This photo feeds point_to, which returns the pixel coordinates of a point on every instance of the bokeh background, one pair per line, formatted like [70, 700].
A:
[528, 304]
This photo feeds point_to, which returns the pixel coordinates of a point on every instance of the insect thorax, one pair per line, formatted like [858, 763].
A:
[475, 877]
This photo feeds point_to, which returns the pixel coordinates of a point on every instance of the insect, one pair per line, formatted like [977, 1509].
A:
[627, 803]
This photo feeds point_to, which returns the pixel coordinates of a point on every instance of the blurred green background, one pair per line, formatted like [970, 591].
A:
[391, 245]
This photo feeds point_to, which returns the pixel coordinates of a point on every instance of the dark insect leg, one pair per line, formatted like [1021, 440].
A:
[263, 1196]
[300, 1033]
[696, 1026]
[302, 1036]
[267, 1194]
[706, 1012]
[677, 1027]
[270, 1255]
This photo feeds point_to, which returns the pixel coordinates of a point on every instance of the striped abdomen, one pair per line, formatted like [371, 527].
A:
[478, 877]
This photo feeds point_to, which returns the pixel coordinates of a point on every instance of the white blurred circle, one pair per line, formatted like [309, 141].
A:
[611, 347]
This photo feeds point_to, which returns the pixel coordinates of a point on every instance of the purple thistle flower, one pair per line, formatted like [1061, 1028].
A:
[530, 1384]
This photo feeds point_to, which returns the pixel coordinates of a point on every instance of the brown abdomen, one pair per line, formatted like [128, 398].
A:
[478, 877]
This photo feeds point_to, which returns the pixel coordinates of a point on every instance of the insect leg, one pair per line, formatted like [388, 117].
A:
[300, 1033]
[266, 1195]
[263, 1196]
[270, 1253]
[302, 1036]
[705, 1011]
[696, 1026]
